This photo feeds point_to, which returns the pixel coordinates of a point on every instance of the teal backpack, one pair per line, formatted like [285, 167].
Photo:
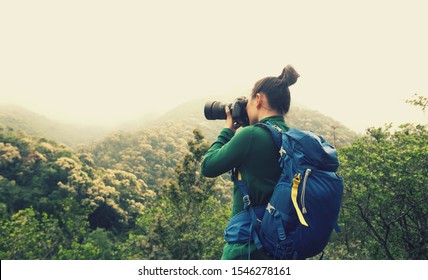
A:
[304, 207]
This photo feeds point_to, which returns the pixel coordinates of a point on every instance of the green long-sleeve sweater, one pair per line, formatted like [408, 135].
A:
[254, 154]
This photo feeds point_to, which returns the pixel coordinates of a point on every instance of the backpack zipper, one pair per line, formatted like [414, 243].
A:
[302, 196]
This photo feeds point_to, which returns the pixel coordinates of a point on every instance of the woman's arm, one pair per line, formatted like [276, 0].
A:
[227, 152]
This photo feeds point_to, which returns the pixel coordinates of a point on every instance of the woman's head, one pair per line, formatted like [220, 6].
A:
[272, 93]
[276, 89]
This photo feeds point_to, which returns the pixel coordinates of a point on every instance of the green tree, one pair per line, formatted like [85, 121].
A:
[385, 210]
[187, 221]
[97, 245]
[29, 235]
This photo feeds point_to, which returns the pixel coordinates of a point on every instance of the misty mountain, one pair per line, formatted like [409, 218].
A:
[153, 152]
[18, 118]
[191, 115]
[184, 118]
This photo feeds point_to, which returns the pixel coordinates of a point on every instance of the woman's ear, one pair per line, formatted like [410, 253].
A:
[259, 100]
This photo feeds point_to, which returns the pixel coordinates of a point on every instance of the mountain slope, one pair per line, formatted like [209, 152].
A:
[191, 115]
[184, 117]
[18, 118]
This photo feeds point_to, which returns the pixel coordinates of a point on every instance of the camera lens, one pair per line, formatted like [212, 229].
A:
[215, 110]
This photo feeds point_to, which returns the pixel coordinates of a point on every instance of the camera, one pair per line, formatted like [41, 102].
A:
[215, 110]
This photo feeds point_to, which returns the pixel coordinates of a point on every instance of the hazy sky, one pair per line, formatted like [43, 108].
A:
[109, 61]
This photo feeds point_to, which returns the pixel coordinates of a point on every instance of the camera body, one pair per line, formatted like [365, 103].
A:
[215, 110]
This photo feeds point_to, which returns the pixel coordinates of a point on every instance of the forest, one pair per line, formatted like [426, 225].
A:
[139, 194]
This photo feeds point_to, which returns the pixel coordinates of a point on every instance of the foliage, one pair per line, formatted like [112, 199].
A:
[98, 245]
[187, 219]
[59, 204]
[47, 183]
[150, 154]
[384, 213]
[29, 235]
[419, 101]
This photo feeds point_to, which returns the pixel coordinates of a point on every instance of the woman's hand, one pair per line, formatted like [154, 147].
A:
[229, 121]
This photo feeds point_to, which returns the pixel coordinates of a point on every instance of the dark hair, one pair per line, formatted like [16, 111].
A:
[276, 89]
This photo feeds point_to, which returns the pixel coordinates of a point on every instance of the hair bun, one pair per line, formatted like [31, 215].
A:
[289, 75]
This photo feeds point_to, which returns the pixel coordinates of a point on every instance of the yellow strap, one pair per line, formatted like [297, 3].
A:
[239, 176]
[296, 182]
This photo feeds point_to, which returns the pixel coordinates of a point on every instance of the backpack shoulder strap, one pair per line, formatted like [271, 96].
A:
[254, 226]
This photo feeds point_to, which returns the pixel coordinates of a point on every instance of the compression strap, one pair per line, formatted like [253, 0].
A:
[294, 190]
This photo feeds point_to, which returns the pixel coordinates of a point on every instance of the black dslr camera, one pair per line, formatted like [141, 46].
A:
[215, 110]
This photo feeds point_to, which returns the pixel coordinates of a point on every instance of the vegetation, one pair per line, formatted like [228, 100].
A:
[385, 211]
[139, 195]
[58, 204]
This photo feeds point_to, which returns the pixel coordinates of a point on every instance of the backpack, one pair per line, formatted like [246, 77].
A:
[304, 207]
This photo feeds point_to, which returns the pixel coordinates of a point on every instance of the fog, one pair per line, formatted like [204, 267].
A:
[105, 62]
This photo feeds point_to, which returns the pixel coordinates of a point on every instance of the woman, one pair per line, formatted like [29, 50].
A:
[252, 151]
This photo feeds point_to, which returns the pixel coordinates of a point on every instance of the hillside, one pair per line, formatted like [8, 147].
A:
[152, 152]
[34, 124]
[191, 115]
[181, 120]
